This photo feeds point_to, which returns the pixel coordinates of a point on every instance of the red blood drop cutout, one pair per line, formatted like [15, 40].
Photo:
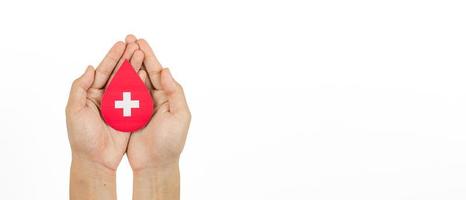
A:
[126, 103]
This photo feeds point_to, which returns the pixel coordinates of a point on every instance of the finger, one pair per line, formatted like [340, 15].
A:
[130, 38]
[163, 107]
[137, 59]
[151, 63]
[130, 49]
[78, 93]
[154, 93]
[143, 75]
[174, 91]
[160, 101]
[105, 68]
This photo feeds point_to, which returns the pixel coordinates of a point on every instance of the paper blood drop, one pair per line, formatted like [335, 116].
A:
[126, 103]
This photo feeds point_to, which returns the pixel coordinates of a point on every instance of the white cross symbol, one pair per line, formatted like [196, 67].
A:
[127, 104]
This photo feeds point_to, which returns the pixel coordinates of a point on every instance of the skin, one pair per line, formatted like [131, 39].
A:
[153, 152]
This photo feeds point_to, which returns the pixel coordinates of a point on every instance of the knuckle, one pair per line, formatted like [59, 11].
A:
[103, 71]
[186, 114]
[68, 109]
[75, 83]
[180, 87]
[189, 115]
[134, 46]
[153, 73]
[113, 57]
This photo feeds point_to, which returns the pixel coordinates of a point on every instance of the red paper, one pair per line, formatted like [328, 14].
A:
[126, 103]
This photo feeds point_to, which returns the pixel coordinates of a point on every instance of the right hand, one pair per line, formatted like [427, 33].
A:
[91, 139]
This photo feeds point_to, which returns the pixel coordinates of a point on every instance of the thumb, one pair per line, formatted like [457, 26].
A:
[174, 91]
[78, 93]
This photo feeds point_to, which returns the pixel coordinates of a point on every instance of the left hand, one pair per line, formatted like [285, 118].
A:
[161, 142]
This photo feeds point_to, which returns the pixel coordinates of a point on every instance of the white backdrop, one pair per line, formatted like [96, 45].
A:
[290, 99]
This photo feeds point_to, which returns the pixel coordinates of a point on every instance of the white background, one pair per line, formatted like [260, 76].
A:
[290, 99]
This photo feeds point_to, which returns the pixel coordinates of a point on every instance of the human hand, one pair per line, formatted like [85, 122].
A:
[154, 151]
[97, 149]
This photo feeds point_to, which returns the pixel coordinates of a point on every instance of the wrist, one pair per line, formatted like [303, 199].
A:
[157, 182]
[91, 180]
[81, 166]
[156, 171]
[87, 162]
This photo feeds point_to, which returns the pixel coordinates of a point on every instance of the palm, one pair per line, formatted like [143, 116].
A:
[160, 141]
[89, 135]
[103, 143]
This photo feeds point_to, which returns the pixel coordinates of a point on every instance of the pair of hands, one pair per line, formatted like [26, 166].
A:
[153, 152]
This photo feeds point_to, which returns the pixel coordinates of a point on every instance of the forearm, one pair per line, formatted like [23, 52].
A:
[89, 180]
[157, 183]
